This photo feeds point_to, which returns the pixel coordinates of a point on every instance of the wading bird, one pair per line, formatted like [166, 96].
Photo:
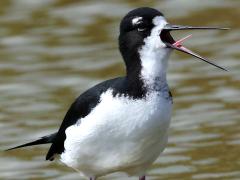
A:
[121, 125]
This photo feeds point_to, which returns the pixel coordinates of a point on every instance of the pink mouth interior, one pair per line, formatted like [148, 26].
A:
[179, 44]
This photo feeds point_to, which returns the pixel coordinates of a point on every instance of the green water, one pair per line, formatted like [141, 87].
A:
[52, 50]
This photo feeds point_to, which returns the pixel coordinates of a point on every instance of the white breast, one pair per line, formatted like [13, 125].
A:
[120, 134]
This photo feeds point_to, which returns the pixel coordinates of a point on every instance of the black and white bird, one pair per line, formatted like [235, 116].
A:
[121, 125]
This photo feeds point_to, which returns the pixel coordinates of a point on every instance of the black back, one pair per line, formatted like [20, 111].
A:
[79, 109]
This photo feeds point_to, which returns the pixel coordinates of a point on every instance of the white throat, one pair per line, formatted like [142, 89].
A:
[154, 58]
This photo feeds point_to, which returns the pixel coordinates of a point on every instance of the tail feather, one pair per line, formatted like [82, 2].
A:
[43, 140]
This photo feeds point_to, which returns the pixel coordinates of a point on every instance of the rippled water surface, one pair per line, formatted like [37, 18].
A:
[52, 50]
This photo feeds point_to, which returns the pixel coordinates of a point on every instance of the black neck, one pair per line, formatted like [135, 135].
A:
[133, 69]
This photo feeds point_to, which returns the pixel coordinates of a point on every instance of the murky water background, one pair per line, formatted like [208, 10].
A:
[52, 50]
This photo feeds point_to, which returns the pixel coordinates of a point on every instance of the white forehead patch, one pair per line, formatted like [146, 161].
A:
[136, 20]
[154, 56]
[154, 41]
[159, 21]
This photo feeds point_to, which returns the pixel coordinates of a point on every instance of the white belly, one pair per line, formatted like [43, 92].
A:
[118, 135]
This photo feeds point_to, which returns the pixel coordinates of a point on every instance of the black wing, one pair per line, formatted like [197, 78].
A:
[79, 109]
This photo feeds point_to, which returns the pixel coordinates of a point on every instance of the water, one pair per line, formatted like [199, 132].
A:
[52, 50]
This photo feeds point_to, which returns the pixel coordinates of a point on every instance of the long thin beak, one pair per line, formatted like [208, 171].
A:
[180, 27]
[178, 44]
[188, 51]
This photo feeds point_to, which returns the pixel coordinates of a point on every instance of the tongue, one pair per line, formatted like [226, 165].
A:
[179, 42]
[178, 46]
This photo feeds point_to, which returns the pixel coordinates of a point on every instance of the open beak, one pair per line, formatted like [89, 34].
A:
[171, 43]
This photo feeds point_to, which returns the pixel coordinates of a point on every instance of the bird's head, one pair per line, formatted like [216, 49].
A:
[146, 28]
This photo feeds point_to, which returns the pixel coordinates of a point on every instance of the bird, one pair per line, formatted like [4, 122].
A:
[121, 124]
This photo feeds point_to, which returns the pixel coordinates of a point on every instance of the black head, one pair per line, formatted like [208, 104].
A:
[134, 28]
[143, 19]
[147, 27]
